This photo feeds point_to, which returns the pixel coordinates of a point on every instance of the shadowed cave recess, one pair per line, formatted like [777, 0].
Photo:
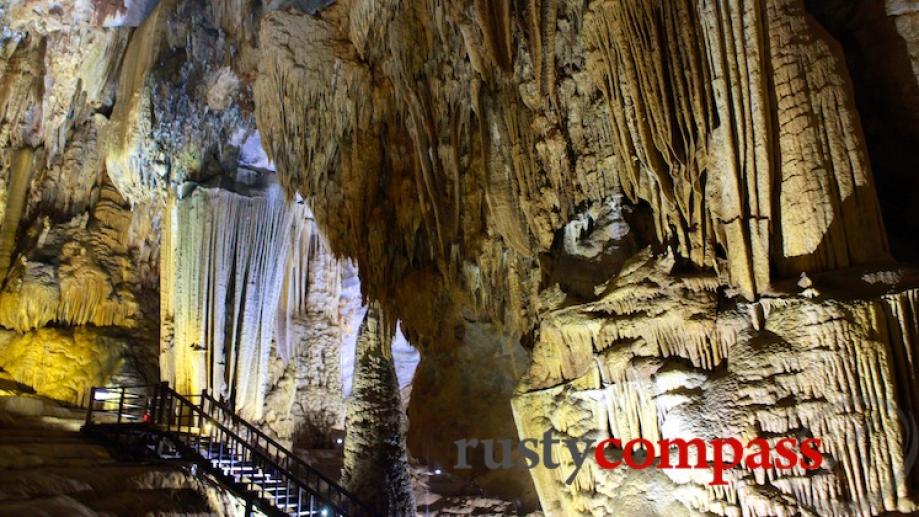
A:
[375, 228]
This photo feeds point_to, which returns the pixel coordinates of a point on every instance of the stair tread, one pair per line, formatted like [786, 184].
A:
[250, 462]
[279, 486]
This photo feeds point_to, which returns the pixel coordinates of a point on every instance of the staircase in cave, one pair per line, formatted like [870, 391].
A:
[155, 421]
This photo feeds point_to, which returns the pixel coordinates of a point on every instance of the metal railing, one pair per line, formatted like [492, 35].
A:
[209, 431]
[299, 468]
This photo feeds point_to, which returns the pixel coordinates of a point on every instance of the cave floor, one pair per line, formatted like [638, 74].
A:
[47, 467]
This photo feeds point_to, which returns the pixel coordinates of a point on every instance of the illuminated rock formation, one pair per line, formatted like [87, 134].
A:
[222, 271]
[61, 364]
[178, 105]
[305, 402]
[634, 186]
[599, 218]
[654, 358]
[79, 273]
[375, 464]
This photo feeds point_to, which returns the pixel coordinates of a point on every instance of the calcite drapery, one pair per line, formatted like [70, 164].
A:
[80, 272]
[784, 174]
[662, 362]
[728, 155]
[305, 402]
[729, 125]
[481, 161]
[223, 259]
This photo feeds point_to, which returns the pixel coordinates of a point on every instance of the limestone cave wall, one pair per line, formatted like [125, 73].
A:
[671, 203]
[593, 218]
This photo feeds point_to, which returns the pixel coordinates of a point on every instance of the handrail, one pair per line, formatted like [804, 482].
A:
[172, 412]
[280, 448]
[264, 457]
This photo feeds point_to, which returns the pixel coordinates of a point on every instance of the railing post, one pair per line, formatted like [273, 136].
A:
[201, 413]
[154, 405]
[234, 445]
[89, 412]
[287, 479]
[120, 405]
[164, 392]
[168, 400]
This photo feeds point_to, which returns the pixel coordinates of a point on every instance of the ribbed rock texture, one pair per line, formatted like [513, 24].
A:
[305, 404]
[596, 218]
[634, 187]
[222, 271]
[123, 131]
[629, 365]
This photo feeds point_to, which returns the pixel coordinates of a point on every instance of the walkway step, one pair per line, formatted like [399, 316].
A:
[234, 451]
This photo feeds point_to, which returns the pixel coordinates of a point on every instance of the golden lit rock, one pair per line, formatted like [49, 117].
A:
[602, 219]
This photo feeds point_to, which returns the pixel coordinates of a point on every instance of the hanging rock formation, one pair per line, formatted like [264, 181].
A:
[223, 257]
[592, 218]
[305, 403]
[725, 139]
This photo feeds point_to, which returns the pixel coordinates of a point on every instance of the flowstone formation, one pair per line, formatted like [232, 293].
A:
[144, 236]
[671, 204]
[594, 219]
[78, 260]
[305, 403]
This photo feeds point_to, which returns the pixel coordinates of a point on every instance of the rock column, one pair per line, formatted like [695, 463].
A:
[376, 468]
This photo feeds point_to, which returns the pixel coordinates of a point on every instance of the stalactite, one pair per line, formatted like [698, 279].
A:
[226, 254]
[650, 66]
[21, 94]
[70, 185]
[91, 279]
[375, 461]
[541, 20]
[83, 82]
[23, 163]
[665, 378]
[323, 95]
[494, 17]
[312, 277]
[510, 169]
[304, 404]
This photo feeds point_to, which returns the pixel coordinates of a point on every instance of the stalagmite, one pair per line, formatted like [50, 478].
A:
[591, 218]
[375, 463]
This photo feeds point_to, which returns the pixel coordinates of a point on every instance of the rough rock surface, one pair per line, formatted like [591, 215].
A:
[599, 218]
[375, 462]
[305, 404]
[629, 366]
[727, 140]
[48, 468]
